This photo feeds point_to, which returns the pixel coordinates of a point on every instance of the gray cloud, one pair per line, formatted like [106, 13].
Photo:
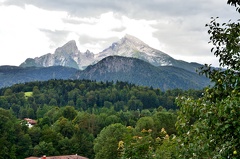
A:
[56, 37]
[76, 21]
[136, 9]
[180, 24]
[14, 2]
[183, 37]
[119, 29]
[151, 9]
[104, 42]
[85, 39]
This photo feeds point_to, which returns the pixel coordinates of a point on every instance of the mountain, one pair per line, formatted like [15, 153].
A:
[68, 55]
[129, 59]
[10, 75]
[111, 68]
[129, 46]
[132, 70]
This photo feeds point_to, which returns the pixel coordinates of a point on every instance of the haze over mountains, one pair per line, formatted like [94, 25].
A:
[129, 60]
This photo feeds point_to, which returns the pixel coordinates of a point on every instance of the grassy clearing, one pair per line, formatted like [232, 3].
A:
[28, 94]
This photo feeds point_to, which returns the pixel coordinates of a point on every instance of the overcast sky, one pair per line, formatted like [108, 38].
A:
[31, 28]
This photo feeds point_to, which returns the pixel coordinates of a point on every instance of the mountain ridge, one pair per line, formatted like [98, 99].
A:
[139, 72]
[10, 75]
[111, 68]
[129, 60]
[128, 46]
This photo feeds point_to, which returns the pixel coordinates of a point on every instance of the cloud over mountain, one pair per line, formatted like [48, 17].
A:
[175, 27]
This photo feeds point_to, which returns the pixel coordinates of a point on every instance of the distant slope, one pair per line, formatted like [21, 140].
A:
[10, 75]
[113, 68]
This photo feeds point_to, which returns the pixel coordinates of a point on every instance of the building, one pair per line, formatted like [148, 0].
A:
[59, 157]
[30, 122]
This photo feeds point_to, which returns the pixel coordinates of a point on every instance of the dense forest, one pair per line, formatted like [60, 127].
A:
[71, 114]
[26, 99]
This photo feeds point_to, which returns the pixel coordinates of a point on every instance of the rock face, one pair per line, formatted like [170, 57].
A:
[129, 46]
[68, 55]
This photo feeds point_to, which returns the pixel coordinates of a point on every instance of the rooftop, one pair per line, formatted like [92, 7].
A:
[59, 157]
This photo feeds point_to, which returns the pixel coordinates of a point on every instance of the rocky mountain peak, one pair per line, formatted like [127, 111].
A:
[130, 46]
[69, 48]
[133, 40]
[88, 52]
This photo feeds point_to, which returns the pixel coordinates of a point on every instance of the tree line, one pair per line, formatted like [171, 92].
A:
[85, 95]
[71, 114]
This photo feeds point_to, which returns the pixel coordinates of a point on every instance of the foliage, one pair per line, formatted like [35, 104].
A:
[144, 144]
[235, 3]
[144, 123]
[138, 146]
[209, 127]
[13, 139]
[106, 143]
[85, 95]
[44, 148]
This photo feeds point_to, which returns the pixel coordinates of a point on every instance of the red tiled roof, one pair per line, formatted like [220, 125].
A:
[30, 121]
[66, 157]
[59, 157]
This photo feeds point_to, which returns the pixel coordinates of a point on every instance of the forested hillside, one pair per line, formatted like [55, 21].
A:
[10, 75]
[71, 114]
[139, 72]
